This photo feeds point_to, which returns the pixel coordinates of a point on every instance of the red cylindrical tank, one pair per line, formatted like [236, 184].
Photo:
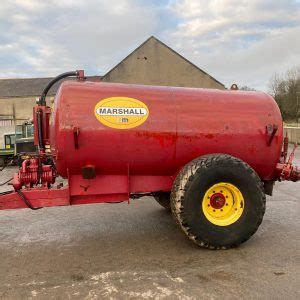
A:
[166, 128]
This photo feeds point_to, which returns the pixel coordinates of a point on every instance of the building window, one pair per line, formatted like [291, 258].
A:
[6, 120]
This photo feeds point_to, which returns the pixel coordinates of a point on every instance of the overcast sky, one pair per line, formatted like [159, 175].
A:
[233, 40]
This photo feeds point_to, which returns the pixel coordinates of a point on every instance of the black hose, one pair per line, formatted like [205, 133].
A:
[42, 100]
[40, 129]
[6, 193]
[2, 168]
[25, 200]
[8, 164]
[5, 182]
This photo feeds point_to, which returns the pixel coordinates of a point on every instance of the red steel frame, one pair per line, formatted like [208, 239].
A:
[121, 185]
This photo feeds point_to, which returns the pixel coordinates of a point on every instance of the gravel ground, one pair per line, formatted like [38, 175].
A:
[136, 251]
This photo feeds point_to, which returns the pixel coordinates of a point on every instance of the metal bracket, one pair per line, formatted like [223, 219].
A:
[75, 135]
[271, 131]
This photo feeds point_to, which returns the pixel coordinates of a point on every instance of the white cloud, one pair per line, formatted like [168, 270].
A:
[238, 41]
[235, 41]
[48, 37]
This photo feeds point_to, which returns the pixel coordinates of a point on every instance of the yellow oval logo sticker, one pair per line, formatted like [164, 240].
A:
[121, 112]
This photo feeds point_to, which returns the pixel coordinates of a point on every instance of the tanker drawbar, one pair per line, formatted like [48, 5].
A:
[208, 156]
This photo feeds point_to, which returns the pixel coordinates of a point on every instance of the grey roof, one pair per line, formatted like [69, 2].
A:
[28, 87]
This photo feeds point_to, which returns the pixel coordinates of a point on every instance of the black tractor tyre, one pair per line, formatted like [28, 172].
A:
[187, 198]
[163, 198]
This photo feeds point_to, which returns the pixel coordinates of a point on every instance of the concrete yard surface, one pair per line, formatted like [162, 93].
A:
[136, 251]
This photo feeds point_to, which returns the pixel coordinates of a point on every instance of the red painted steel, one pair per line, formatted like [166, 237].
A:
[38, 197]
[104, 164]
[32, 173]
[183, 124]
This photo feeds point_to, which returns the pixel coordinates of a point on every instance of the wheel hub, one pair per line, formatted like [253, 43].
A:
[217, 201]
[223, 204]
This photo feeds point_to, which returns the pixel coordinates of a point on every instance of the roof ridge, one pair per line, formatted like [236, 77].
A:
[26, 87]
[32, 78]
[25, 78]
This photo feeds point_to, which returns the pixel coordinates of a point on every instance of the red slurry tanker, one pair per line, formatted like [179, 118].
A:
[208, 155]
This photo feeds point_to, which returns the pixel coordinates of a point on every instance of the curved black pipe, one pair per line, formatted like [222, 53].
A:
[42, 100]
[25, 200]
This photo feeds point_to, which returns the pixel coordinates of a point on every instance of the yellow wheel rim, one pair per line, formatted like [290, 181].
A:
[223, 204]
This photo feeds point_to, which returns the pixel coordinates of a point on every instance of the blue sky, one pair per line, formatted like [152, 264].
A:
[234, 41]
